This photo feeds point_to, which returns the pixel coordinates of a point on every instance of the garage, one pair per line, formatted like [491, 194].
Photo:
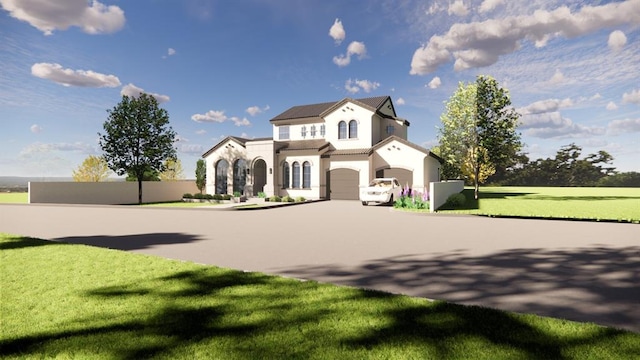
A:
[343, 184]
[404, 176]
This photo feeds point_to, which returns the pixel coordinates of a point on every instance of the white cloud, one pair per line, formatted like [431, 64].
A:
[458, 8]
[596, 97]
[434, 83]
[434, 8]
[554, 125]
[47, 16]
[40, 148]
[624, 126]
[69, 77]
[134, 91]
[240, 122]
[612, 106]
[545, 106]
[210, 116]
[35, 128]
[201, 132]
[631, 98]
[255, 110]
[478, 44]
[617, 40]
[400, 101]
[190, 149]
[557, 78]
[337, 32]
[355, 48]
[488, 5]
[354, 86]
[171, 51]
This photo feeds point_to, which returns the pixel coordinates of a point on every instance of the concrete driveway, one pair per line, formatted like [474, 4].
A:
[584, 271]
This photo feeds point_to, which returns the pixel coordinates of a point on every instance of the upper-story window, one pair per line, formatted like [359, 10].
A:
[322, 130]
[313, 131]
[284, 132]
[296, 175]
[303, 131]
[353, 129]
[390, 129]
[342, 130]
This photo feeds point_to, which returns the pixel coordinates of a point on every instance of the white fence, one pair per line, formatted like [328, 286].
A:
[108, 193]
[440, 192]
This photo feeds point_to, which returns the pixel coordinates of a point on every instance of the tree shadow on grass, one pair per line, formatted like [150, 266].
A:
[131, 242]
[20, 242]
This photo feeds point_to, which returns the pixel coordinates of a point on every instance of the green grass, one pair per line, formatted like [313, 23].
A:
[14, 198]
[180, 204]
[74, 301]
[605, 204]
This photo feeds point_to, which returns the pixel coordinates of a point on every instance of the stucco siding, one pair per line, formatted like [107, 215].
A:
[348, 112]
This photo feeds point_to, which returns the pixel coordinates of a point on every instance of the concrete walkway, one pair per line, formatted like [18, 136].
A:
[584, 271]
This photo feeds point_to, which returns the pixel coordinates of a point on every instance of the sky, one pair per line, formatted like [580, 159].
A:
[222, 67]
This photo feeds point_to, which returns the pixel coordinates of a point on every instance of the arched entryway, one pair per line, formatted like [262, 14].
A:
[222, 169]
[239, 176]
[259, 176]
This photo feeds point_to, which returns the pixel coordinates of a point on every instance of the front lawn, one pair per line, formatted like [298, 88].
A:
[14, 198]
[596, 203]
[74, 301]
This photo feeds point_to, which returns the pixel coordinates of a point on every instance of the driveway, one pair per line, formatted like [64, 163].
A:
[584, 271]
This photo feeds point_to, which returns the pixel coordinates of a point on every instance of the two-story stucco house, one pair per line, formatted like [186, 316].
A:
[326, 150]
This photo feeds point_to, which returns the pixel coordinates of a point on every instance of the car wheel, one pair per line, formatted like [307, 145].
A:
[390, 200]
[364, 203]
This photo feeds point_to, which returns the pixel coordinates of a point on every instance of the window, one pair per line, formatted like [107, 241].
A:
[322, 131]
[342, 130]
[353, 129]
[284, 132]
[296, 175]
[313, 131]
[285, 175]
[303, 131]
[390, 129]
[221, 176]
[306, 175]
[239, 176]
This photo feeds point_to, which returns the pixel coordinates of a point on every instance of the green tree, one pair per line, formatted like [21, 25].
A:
[479, 121]
[137, 138]
[201, 175]
[148, 175]
[173, 170]
[93, 169]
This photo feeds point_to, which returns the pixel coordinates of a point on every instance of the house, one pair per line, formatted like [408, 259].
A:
[326, 150]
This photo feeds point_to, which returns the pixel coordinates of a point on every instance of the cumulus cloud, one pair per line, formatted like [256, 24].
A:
[354, 86]
[240, 121]
[69, 77]
[631, 98]
[488, 5]
[255, 110]
[337, 32]
[201, 132]
[557, 78]
[210, 116]
[612, 106]
[47, 16]
[545, 106]
[134, 91]
[617, 40]
[35, 128]
[355, 48]
[40, 148]
[171, 51]
[458, 8]
[400, 101]
[554, 125]
[478, 44]
[434, 83]
[624, 126]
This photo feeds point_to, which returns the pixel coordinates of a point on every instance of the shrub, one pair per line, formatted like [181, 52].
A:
[456, 200]
[411, 199]
[217, 197]
[262, 195]
[198, 196]
[187, 196]
[226, 197]
[236, 194]
[288, 198]
[300, 199]
[208, 196]
[275, 198]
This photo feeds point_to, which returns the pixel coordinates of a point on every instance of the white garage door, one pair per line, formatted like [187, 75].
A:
[343, 184]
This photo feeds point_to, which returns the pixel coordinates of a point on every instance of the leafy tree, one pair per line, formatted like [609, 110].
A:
[148, 175]
[478, 135]
[173, 170]
[138, 138]
[93, 169]
[624, 179]
[201, 175]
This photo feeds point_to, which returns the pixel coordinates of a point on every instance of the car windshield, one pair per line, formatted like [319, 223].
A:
[380, 183]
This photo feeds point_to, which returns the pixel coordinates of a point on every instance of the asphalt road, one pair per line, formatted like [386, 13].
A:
[584, 271]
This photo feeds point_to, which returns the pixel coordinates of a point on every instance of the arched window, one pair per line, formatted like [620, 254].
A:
[239, 176]
[285, 175]
[306, 175]
[353, 129]
[296, 175]
[221, 176]
[342, 130]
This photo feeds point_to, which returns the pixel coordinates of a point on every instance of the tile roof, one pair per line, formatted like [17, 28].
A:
[304, 145]
[315, 110]
[362, 151]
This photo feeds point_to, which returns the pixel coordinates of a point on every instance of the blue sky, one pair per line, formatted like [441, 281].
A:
[224, 67]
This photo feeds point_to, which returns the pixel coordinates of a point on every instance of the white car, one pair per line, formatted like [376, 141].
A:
[381, 190]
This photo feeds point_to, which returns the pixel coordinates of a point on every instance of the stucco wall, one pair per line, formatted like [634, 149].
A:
[108, 193]
[439, 192]
[346, 113]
